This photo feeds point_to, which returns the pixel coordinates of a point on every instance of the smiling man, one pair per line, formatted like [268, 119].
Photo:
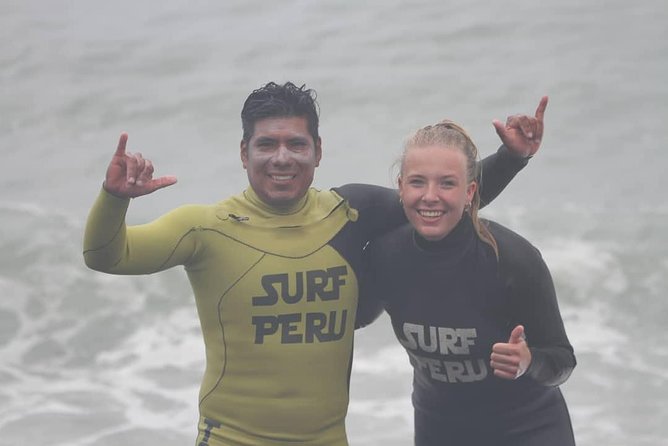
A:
[281, 157]
[274, 270]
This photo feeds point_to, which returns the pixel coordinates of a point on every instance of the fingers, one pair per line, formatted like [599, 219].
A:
[525, 124]
[499, 127]
[122, 142]
[161, 182]
[510, 360]
[145, 169]
[505, 366]
[540, 116]
[144, 178]
[134, 165]
[506, 362]
[540, 111]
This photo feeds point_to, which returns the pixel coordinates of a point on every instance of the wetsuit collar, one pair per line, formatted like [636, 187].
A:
[457, 239]
[251, 196]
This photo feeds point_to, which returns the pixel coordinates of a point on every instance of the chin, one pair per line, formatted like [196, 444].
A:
[282, 200]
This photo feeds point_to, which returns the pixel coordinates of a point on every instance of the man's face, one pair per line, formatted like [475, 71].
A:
[280, 159]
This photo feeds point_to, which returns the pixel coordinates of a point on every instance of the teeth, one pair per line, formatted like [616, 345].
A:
[282, 177]
[431, 213]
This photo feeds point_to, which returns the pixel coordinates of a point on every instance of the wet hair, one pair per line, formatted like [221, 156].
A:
[280, 101]
[448, 134]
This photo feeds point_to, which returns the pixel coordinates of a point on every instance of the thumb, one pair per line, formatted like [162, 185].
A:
[517, 335]
[500, 127]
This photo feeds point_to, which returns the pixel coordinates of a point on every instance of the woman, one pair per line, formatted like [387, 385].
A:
[474, 305]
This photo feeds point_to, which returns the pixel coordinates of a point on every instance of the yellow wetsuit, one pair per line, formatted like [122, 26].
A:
[276, 303]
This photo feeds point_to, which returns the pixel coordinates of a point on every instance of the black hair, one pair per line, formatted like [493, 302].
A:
[276, 101]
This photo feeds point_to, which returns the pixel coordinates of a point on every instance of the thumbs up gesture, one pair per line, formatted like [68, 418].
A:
[511, 359]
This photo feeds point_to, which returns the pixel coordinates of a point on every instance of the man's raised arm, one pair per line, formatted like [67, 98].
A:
[109, 245]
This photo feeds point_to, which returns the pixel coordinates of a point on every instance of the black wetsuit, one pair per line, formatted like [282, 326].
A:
[449, 302]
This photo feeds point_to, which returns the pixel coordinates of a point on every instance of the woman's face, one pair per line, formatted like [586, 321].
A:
[434, 189]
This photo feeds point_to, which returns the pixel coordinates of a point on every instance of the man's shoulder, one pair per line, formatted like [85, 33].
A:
[364, 195]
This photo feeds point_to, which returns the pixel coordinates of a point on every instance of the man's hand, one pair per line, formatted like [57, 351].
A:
[523, 134]
[510, 360]
[130, 175]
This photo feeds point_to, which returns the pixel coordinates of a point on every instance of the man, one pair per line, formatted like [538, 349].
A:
[274, 270]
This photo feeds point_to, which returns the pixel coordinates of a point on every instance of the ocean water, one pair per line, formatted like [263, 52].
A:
[90, 359]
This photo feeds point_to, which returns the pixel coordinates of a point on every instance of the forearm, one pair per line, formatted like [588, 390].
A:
[497, 171]
[105, 233]
[551, 366]
[112, 247]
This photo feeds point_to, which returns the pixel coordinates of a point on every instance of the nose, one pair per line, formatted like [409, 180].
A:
[282, 155]
[431, 193]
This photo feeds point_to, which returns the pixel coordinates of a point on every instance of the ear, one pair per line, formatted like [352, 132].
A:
[470, 191]
[401, 188]
[318, 151]
[243, 145]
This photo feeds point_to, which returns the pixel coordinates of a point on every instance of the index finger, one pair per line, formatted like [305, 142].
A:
[120, 150]
[540, 111]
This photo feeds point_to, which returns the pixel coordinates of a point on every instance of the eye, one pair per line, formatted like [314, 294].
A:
[298, 144]
[265, 144]
[449, 183]
[416, 182]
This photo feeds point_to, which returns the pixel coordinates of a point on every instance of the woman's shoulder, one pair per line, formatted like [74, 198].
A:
[514, 249]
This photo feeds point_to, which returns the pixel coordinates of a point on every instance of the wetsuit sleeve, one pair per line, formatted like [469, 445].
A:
[112, 247]
[534, 305]
[496, 173]
[369, 306]
[379, 208]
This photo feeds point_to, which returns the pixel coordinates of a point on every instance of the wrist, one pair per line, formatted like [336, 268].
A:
[505, 150]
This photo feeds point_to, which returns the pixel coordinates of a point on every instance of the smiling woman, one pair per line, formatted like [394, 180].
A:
[437, 181]
[461, 294]
[435, 197]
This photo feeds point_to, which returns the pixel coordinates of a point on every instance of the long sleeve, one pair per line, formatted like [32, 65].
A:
[552, 354]
[370, 306]
[497, 172]
[112, 247]
[534, 305]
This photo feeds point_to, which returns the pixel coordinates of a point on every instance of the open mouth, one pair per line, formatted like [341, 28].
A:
[282, 177]
[430, 213]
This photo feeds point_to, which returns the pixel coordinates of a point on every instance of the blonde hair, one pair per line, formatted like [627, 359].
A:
[447, 133]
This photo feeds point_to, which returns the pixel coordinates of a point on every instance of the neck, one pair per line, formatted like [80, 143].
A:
[283, 209]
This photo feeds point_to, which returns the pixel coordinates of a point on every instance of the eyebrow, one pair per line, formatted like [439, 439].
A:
[293, 139]
[265, 139]
[442, 177]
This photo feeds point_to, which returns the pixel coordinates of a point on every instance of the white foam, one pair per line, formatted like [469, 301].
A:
[388, 359]
[585, 266]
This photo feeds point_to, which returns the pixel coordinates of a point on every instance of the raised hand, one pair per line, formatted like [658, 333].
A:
[131, 175]
[510, 360]
[523, 134]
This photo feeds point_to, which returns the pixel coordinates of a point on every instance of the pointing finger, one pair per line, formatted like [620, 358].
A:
[122, 142]
[540, 111]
